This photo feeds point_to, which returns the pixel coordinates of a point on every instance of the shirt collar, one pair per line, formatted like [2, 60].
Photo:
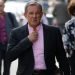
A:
[38, 27]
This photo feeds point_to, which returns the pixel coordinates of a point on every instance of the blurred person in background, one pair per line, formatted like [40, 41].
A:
[69, 36]
[7, 23]
[61, 13]
[66, 1]
[22, 20]
[44, 19]
[55, 22]
[36, 45]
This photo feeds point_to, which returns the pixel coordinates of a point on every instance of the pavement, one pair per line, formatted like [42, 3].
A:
[13, 68]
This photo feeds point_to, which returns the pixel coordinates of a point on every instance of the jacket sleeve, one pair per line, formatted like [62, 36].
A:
[15, 48]
[61, 55]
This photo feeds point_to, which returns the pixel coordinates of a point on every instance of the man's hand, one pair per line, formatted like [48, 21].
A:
[33, 36]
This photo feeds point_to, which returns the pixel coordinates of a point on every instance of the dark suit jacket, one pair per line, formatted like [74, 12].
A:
[20, 47]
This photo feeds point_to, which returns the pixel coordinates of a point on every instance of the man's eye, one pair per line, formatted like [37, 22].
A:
[31, 13]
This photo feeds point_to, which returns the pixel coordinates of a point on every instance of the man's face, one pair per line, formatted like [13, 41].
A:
[1, 6]
[33, 14]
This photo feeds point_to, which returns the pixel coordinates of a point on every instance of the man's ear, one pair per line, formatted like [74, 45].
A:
[41, 14]
[25, 14]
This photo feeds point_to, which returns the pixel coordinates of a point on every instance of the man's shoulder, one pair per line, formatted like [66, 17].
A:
[19, 29]
[51, 28]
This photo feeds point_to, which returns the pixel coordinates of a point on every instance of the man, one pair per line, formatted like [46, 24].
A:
[36, 45]
[7, 23]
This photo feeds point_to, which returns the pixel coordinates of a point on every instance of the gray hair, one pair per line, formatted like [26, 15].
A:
[32, 3]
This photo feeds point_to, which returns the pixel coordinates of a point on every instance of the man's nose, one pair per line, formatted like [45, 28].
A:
[34, 15]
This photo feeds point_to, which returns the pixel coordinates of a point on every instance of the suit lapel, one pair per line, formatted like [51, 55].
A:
[48, 39]
[26, 30]
[45, 33]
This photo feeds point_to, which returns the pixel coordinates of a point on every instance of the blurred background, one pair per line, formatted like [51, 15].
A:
[17, 7]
